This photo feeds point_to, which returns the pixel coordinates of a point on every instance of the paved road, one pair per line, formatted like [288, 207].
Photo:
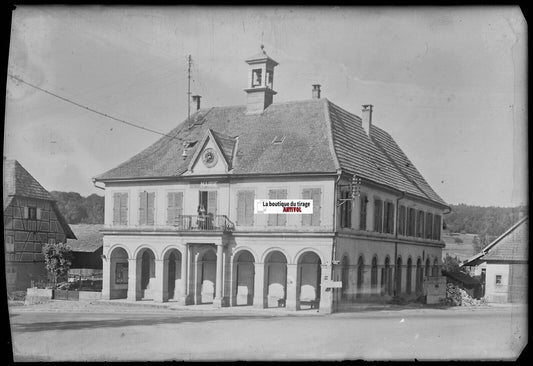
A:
[424, 334]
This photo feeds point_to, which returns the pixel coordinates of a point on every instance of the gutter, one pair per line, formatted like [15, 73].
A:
[94, 183]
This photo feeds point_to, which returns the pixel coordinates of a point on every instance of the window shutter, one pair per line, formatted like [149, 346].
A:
[116, 209]
[272, 218]
[26, 212]
[241, 207]
[315, 196]
[38, 214]
[150, 210]
[179, 203]
[307, 219]
[142, 207]
[171, 210]
[124, 209]
[212, 202]
[249, 208]
[282, 219]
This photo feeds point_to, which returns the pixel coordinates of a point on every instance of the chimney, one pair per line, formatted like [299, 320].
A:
[196, 98]
[316, 91]
[367, 117]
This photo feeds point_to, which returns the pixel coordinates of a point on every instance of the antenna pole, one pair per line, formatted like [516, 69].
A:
[189, 92]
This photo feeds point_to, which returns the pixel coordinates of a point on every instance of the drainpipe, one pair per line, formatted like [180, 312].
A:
[334, 244]
[396, 242]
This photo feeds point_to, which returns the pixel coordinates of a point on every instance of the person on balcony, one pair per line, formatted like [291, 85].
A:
[201, 217]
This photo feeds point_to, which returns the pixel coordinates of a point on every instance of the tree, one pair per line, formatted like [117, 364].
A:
[57, 257]
[451, 264]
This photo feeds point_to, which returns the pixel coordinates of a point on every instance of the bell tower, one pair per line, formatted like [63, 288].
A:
[260, 92]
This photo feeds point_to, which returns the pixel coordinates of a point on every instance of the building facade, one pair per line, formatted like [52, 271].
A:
[31, 219]
[180, 223]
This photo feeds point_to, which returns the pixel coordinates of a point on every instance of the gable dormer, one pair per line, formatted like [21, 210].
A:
[214, 154]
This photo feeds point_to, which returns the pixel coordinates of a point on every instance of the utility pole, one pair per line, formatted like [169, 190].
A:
[189, 92]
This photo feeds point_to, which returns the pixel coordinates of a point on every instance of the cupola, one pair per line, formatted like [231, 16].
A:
[260, 92]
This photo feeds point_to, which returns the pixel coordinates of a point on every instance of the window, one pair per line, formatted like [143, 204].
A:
[314, 218]
[437, 227]
[121, 273]
[207, 201]
[360, 275]
[269, 79]
[346, 210]
[245, 208]
[362, 215]
[146, 208]
[435, 267]
[498, 279]
[120, 209]
[374, 273]
[399, 276]
[10, 246]
[401, 221]
[30, 213]
[389, 218]
[428, 268]
[378, 215]
[420, 224]
[429, 225]
[277, 219]
[256, 77]
[408, 276]
[410, 222]
[175, 207]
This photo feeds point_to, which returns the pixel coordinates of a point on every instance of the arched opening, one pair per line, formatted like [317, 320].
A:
[398, 276]
[309, 274]
[118, 288]
[276, 279]
[428, 268]
[244, 273]
[147, 275]
[345, 277]
[374, 275]
[386, 277]
[435, 267]
[419, 276]
[207, 263]
[408, 276]
[174, 285]
[360, 276]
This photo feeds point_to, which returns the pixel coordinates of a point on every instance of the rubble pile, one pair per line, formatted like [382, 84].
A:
[458, 297]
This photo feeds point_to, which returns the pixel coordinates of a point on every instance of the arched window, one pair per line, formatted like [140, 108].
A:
[435, 267]
[428, 268]
[399, 276]
[360, 274]
[419, 276]
[345, 277]
[408, 276]
[374, 274]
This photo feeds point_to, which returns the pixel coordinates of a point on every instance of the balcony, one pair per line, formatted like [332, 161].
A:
[203, 223]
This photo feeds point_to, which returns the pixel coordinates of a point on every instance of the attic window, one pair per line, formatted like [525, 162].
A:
[407, 165]
[189, 144]
[278, 139]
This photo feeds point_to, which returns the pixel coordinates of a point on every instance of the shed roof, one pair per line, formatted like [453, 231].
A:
[462, 277]
[319, 138]
[89, 238]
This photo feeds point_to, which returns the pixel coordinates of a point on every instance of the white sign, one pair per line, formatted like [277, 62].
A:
[283, 206]
[332, 284]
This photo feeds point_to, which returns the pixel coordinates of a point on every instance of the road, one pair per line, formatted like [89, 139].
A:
[423, 334]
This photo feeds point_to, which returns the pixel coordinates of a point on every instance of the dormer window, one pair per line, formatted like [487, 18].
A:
[278, 139]
[256, 77]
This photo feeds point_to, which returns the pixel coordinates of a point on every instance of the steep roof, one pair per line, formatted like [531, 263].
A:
[319, 138]
[512, 245]
[18, 182]
[89, 238]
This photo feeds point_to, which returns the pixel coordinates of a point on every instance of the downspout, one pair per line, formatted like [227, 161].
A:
[396, 241]
[334, 244]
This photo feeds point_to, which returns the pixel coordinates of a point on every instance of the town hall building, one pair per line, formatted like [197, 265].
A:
[180, 222]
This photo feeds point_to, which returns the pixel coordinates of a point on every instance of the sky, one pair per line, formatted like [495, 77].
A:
[449, 84]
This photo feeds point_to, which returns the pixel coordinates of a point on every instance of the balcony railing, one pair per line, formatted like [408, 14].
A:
[203, 223]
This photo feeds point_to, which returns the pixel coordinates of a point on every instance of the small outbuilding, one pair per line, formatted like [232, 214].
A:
[470, 284]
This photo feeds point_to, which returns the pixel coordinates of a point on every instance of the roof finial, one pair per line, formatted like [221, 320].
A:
[263, 49]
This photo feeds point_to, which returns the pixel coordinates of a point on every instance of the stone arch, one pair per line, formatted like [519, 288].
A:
[419, 276]
[308, 280]
[303, 251]
[116, 246]
[243, 282]
[173, 286]
[374, 273]
[141, 248]
[240, 249]
[398, 282]
[386, 276]
[269, 251]
[145, 258]
[166, 251]
[118, 272]
[360, 275]
[206, 266]
[409, 275]
[275, 286]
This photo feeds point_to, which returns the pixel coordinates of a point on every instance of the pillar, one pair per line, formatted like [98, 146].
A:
[292, 302]
[259, 286]
[326, 294]
[161, 278]
[134, 284]
[183, 299]
[106, 278]
[218, 284]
